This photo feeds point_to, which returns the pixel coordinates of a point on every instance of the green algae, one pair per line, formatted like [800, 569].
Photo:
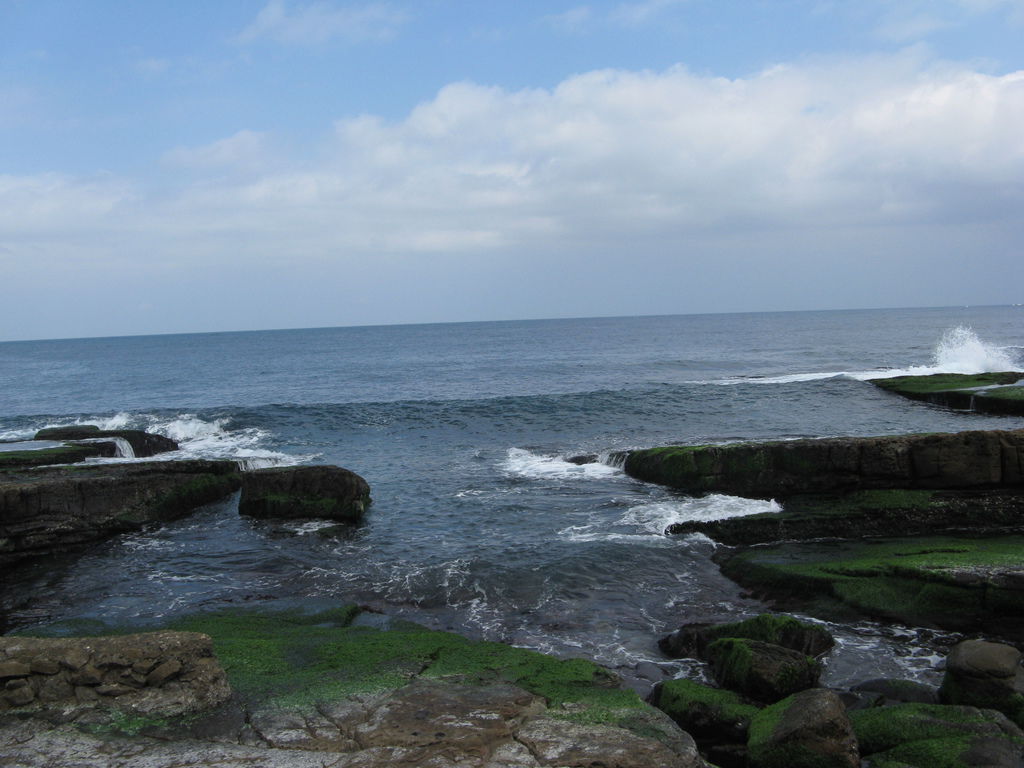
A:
[776, 628]
[945, 382]
[65, 454]
[688, 702]
[296, 659]
[924, 735]
[931, 580]
[766, 754]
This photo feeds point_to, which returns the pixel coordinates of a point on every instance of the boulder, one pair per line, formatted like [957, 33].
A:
[151, 674]
[807, 730]
[982, 392]
[692, 640]
[984, 674]
[716, 718]
[327, 492]
[53, 509]
[763, 671]
[981, 459]
[889, 691]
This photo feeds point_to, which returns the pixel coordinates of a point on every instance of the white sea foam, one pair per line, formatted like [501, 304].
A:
[537, 466]
[958, 351]
[646, 523]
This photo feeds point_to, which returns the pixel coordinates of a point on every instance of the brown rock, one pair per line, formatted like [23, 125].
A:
[45, 666]
[327, 492]
[163, 672]
[808, 728]
[19, 697]
[10, 669]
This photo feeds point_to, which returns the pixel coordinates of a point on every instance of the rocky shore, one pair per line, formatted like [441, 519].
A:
[922, 529]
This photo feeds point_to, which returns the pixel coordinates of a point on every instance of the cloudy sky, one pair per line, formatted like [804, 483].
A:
[243, 164]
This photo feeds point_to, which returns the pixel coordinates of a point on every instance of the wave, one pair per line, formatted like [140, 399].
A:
[959, 350]
[197, 438]
[646, 523]
[535, 466]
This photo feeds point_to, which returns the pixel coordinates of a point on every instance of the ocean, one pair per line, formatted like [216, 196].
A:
[479, 523]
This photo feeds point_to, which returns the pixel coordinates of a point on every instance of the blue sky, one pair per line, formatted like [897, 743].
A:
[193, 166]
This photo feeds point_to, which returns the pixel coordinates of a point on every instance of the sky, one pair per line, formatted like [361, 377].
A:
[255, 164]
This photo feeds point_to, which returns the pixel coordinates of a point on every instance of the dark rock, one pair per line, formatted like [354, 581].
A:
[713, 716]
[807, 730]
[325, 492]
[984, 674]
[692, 640]
[982, 392]
[72, 453]
[587, 458]
[778, 470]
[144, 444]
[894, 512]
[762, 671]
[50, 510]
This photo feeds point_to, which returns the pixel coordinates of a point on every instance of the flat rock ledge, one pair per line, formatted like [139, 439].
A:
[54, 509]
[778, 470]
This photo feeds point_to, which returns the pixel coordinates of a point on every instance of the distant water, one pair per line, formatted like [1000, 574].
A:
[479, 524]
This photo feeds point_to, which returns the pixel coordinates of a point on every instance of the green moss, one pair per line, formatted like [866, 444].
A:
[296, 659]
[931, 735]
[686, 700]
[733, 658]
[914, 580]
[66, 454]
[776, 628]
[944, 382]
[1003, 393]
[767, 755]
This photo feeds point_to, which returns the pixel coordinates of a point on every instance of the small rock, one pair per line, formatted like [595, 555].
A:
[113, 689]
[163, 672]
[74, 659]
[87, 675]
[19, 697]
[9, 669]
[44, 666]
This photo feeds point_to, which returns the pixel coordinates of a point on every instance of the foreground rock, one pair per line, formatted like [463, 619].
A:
[984, 674]
[49, 510]
[343, 688]
[326, 492]
[959, 583]
[807, 730]
[929, 736]
[1001, 393]
[153, 674]
[964, 460]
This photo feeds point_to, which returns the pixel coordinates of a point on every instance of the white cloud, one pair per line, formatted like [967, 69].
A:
[242, 151]
[607, 161]
[320, 22]
[573, 20]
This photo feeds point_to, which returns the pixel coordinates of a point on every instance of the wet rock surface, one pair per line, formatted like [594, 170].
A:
[326, 492]
[53, 509]
[962, 460]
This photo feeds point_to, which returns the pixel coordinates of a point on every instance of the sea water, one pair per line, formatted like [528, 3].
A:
[480, 524]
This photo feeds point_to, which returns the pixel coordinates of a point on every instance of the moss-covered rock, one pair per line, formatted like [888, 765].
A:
[62, 454]
[888, 512]
[936, 736]
[763, 671]
[326, 492]
[807, 730]
[692, 640]
[963, 460]
[958, 583]
[982, 392]
[984, 674]
[708, 714]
